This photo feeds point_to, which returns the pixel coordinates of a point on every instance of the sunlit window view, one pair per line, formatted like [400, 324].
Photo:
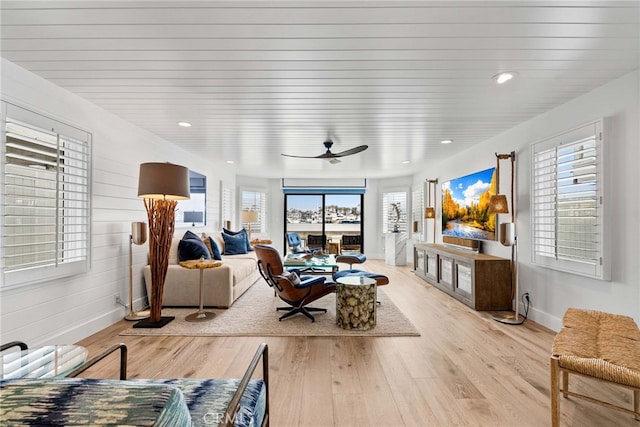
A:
[326, 221]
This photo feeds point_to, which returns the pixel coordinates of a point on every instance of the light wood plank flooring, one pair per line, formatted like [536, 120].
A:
[465, 369]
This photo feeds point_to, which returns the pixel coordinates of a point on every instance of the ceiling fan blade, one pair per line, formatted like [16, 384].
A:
[329, 155]
[354, 150]
[300, 157]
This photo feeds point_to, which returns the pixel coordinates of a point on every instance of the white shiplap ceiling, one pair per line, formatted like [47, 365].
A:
[257, 79]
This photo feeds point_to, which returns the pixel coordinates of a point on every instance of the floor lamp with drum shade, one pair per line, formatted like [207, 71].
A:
[507, 235]
[138, 236]
[249, 217]
[161, 186]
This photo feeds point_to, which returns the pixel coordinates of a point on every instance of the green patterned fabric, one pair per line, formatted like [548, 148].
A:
[83, 402]
[170, 402]
[208, 399]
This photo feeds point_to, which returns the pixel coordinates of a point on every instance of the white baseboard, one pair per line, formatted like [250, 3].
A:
[543, 318]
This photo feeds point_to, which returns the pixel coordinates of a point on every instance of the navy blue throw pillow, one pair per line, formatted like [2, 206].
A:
[243, 232]
[190, 235]
[191, 247]
[215, 249]
[234, 244]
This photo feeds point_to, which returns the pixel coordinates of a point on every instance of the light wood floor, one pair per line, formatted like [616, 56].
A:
[464, 369]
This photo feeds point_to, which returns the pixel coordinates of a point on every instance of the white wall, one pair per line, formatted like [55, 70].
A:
[67, 310]
[71, 309]
[552, 292]
[373, 237]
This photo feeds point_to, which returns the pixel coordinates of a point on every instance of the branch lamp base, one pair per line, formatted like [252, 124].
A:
[147, 323]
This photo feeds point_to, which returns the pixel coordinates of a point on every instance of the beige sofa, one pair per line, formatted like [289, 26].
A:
[221, 285]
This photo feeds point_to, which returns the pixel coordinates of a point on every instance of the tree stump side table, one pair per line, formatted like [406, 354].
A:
[356, 303]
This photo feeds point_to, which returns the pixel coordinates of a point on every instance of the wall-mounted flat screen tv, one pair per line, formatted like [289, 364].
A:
[193, 216]
[465, 206]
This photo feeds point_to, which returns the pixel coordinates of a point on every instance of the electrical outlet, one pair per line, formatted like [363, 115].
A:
[118, 299]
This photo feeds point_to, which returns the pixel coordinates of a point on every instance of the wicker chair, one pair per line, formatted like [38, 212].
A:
[597, 345]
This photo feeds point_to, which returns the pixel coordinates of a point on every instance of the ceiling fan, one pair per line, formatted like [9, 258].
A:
[332, 157]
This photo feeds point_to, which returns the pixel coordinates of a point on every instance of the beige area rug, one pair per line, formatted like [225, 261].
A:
[254, 314]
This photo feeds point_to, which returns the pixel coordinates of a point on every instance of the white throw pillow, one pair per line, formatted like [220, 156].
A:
[293, 278]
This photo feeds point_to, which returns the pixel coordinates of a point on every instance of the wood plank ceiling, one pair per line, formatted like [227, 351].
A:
[260, 78]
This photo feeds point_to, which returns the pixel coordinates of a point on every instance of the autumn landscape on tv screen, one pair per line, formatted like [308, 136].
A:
[465, 206]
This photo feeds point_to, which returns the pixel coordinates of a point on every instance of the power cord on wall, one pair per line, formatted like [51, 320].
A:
[510, 320]
[120, 302]
[526, 302]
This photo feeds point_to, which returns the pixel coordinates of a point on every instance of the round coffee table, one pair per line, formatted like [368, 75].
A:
[201, 264]
[356, 303]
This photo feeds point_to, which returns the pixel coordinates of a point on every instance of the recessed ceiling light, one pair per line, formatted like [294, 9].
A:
[446, 141]
[184, 124]
[504, 77]
[406, 161]
[230, 162]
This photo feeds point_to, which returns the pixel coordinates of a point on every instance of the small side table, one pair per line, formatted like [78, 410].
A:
[260, 242]
[356, 303]
[201, 264]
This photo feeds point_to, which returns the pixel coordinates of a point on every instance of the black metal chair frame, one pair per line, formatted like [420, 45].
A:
[20, 344]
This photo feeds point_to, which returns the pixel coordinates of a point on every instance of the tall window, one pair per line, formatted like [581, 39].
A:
[567, 202]
[46, 200]
[255, 201]
[326, 218]
[394, 212]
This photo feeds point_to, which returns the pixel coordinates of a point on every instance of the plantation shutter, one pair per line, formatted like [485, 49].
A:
[226, 204]
[45, 202]
[255, 201]
[398, 198]
[567, 202]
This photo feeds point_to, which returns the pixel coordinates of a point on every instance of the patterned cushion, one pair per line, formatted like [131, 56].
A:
[207, 399]
[83, 401]
[293, 278]
[170, 402]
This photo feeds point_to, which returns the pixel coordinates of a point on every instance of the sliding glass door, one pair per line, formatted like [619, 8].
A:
[326, 221]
